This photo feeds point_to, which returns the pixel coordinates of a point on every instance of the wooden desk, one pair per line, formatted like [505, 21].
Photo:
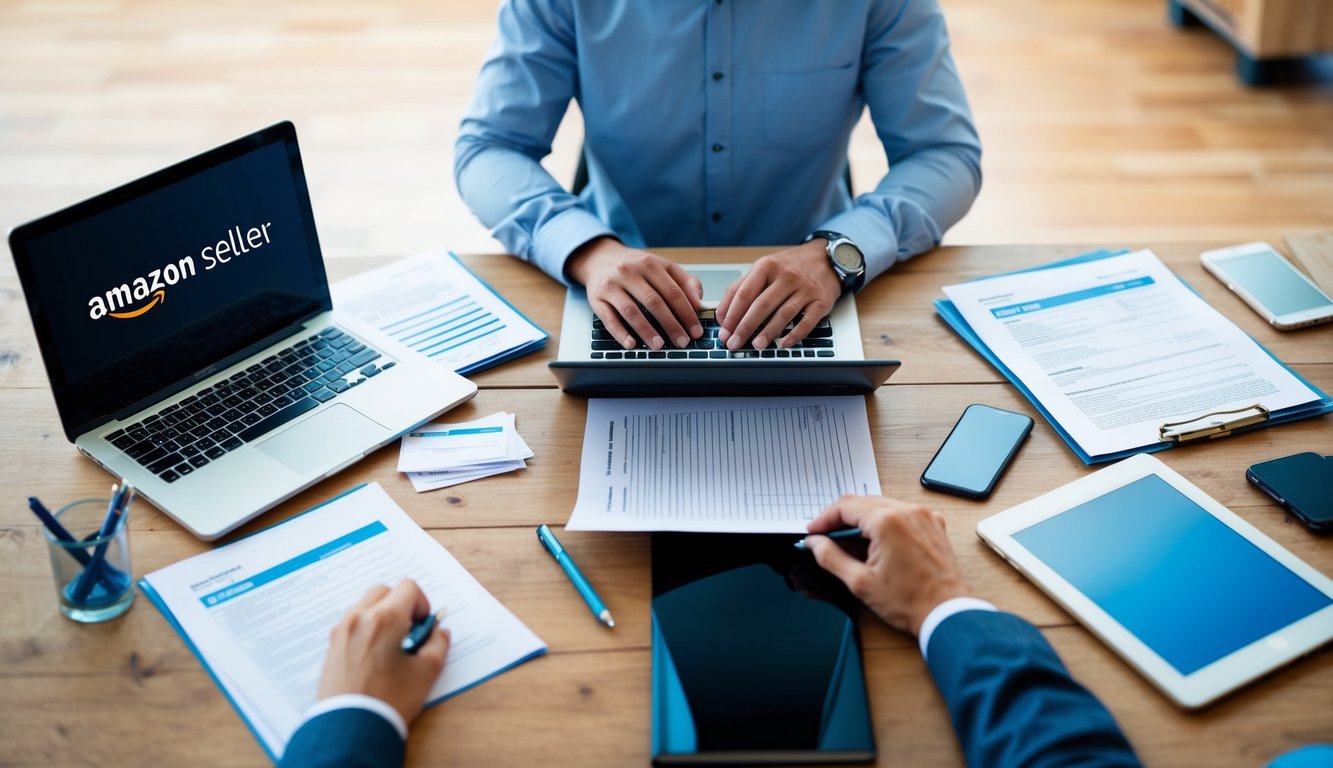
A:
[129, 692]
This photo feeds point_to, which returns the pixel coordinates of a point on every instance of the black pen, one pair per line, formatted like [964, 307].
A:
[846, 533]
[416, 637]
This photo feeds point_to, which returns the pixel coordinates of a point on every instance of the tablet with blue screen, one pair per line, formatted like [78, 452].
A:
[1191, 595]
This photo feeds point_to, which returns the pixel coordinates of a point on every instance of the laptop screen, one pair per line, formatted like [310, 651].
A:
[154, 285]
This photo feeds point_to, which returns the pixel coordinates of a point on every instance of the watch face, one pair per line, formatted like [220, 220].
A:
[848, 257]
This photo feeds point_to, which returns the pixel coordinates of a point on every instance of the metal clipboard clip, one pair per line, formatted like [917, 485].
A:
[1216, 424]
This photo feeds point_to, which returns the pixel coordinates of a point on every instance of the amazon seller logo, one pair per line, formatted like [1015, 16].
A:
[142, 294]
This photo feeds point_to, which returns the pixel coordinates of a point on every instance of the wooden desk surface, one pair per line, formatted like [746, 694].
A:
[129, 692]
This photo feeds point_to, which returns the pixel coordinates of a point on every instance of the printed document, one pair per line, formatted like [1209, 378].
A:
[1115, 347]
[736, 464]
[433, 305]
[440, 455]
[258, 611]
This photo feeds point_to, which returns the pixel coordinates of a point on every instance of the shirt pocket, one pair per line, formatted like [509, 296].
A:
[807, 108]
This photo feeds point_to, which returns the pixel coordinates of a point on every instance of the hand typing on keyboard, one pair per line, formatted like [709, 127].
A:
[638, 295]
[778, 288]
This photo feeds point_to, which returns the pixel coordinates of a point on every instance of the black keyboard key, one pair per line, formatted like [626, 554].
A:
[232, 443]
[138, 435]
[166, 462]
[601, 334]
[190, 451]
[698, 354]
[326, 366]
[769, 353]
[717, 354]
[598, 355]
[327, 333]
[314, 386]
[214, 452]
[250, 419]
[198, 461]
[820, 333]
[208, 442]
[387, 365]
[304, 405]
[184, 469]
[123, 442]
[808, 353]
[345, 368]
[266, 409]
[139, 450]
[326, 353]
[675, 354]
[169, 476]
[824, 352]
[354, 347]
[613, 355]
[818, 343]
[370, 370]
[111, 436]
[606, 345]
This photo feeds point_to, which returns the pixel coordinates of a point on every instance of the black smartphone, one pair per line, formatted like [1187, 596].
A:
[977, 451]
[1302, 484]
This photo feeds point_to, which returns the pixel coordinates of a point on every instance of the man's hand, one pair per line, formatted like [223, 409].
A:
[777, 288]
[366, 654]
[910, 567]
[620, 280]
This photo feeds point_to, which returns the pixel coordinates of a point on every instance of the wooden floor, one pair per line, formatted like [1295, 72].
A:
[1100, 122]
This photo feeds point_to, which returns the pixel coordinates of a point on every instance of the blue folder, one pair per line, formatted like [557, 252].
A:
[950, 314]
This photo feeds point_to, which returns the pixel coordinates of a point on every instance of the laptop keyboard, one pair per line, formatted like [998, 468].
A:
[819, 343]
[220, 418]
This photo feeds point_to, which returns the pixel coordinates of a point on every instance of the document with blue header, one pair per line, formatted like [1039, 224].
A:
[258, 612]
[1112, 349]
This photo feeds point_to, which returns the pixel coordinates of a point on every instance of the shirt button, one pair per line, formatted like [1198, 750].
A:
[717, 216]
[718, 147]
[717, 75]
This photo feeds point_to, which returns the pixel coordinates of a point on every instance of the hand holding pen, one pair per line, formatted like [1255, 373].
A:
[369, 654]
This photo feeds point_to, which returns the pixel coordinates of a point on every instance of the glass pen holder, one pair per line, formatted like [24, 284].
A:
[92, 573]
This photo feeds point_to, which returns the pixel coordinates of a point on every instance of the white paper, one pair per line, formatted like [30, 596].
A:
[441, 446]
[433, 481]
[1115, 347]
[720, 464]
[259, 610]
[431, 304]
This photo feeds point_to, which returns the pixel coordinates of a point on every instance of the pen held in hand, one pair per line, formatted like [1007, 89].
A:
[846, 533]
[419, 633]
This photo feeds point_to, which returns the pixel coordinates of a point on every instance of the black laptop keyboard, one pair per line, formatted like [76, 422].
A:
[818, 343]
[217, 419]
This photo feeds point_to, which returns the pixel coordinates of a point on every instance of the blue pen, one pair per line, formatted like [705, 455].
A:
[845, 533]
[120, 499]
[416, 636]
[585, 589]
[112, 578]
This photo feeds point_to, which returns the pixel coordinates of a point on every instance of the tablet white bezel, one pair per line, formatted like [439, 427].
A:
[1205, 684]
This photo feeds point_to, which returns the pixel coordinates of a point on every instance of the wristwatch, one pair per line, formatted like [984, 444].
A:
[847, 260]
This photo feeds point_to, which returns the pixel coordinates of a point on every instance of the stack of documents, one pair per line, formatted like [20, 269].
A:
[441, 455]
[258, 612]
[435, 306]
[1121, 357]
[720, 465]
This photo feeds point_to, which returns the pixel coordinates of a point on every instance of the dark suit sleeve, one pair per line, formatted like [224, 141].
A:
[1012, 701]
[345, 737]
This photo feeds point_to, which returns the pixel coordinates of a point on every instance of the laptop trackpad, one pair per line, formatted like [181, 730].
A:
[324, 440]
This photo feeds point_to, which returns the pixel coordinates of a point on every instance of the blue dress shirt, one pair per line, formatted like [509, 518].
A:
[718, 122]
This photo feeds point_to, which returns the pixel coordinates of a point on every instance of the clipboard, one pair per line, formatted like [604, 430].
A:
[1172, 432]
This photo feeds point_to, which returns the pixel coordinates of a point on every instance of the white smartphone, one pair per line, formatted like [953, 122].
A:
[1269, 283]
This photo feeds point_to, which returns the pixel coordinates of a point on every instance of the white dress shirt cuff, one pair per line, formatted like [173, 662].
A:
[358, 701]
[943, 611]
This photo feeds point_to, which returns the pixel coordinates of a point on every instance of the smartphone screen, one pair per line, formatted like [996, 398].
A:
[977, 451]
[1272, 281]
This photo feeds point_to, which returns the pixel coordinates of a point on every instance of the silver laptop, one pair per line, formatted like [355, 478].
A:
[191, 343]
[829, 360]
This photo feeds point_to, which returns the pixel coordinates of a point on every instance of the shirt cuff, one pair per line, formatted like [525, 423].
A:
[943, 611]
[556, 239]
[358, 701]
